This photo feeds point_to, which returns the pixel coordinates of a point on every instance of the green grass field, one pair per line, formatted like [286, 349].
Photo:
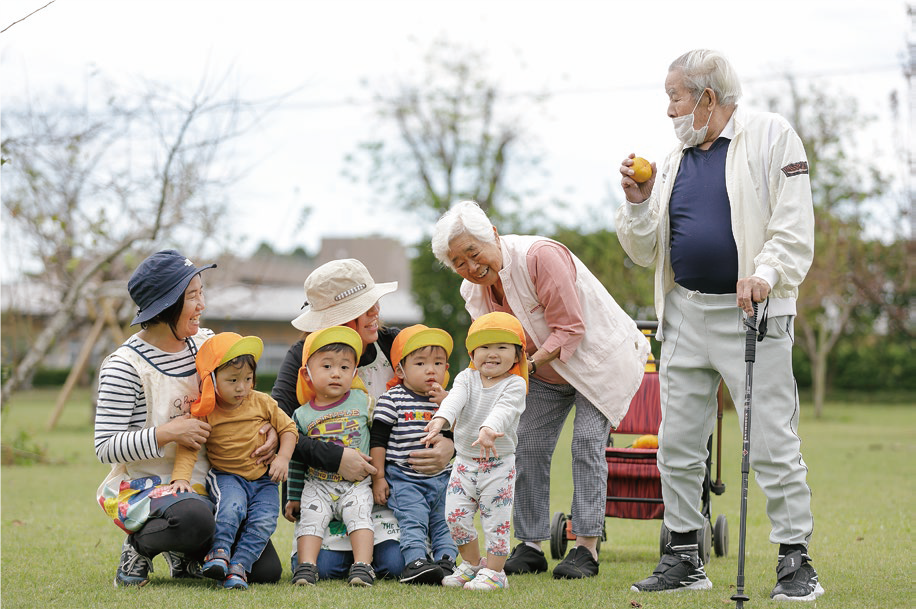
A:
[59, 550]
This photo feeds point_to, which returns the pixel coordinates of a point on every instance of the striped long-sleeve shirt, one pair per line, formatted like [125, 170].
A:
[121, 435]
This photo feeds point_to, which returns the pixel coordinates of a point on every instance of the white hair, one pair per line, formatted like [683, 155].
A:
[465, 217]
[705, 69]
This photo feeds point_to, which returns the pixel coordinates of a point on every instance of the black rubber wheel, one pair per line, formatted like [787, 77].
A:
[558, 535]
[720, 535]
[705, 542]
[664, 538]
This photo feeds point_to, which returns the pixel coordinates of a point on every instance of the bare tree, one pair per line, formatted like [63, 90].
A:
[457, 135]
[839, 285]
[87, 196]
[454, 134]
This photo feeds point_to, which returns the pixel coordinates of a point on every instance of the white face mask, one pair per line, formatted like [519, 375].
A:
[683, 128]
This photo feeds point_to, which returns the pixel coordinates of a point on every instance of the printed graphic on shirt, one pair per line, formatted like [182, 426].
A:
[795, 169]
[417, 415]
[339, 428]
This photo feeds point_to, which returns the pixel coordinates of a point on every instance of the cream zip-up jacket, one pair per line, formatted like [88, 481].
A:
[608, 364]
[772, 212]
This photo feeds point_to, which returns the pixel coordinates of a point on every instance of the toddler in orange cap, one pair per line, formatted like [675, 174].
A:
[483, 409]
[335, 408]
[245, 493]
[420, 358]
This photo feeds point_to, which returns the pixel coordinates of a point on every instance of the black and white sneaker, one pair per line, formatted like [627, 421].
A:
[422, 572]
[796, 578]
[679, 569]
[134, 568]
[182, 567]
[447, 565]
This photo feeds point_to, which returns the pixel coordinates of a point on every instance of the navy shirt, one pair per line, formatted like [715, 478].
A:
[703, 251]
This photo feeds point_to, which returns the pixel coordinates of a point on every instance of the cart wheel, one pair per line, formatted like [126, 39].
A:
[558, 535]
[705, 542]
[664, 538]
[720, 535]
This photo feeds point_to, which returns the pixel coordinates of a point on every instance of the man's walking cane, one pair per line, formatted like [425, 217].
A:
[750, 354]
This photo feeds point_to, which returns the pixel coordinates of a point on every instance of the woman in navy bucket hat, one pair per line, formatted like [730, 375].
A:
[145, 390]
[159, 281]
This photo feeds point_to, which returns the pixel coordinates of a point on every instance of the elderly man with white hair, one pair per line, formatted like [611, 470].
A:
[727, 221]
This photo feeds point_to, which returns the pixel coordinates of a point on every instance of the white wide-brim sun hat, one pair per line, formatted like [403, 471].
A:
[338, 292]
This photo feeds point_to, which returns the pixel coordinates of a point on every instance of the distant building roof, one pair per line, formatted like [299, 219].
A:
[284, 303]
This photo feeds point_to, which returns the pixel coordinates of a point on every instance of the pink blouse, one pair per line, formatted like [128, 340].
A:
[554, 276]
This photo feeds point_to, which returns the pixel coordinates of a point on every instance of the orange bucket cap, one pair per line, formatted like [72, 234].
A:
[315, 341]
[499, 327]
[216, 351]
[415, 337]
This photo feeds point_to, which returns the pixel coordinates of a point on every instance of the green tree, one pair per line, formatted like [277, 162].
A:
[630, 284]
[840, 284]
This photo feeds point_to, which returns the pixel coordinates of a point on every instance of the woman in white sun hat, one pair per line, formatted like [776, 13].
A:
[342, 292]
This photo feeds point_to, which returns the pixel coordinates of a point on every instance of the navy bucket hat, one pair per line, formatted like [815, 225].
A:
[159, 282]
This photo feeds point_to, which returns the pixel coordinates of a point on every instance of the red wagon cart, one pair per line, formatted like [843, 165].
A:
[634, 484]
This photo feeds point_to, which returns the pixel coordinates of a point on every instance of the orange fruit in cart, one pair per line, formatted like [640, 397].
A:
[646, 441]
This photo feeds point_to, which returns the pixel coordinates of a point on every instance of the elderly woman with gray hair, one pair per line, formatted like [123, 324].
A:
[583, 350]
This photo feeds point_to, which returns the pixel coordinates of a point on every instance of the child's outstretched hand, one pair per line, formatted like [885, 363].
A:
[291, 512]
[486, 439]
[437, 393]
[279, 469]
[433, 427]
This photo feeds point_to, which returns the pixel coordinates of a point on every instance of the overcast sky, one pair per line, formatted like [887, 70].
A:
[604, 61]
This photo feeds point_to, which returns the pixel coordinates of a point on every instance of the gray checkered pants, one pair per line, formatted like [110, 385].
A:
[546, 410]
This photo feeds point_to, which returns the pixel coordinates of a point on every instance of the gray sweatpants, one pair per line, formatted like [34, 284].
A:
[704, 342]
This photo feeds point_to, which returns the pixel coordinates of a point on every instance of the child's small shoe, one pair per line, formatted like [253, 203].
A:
[361, 574]
[488, 579]
[237, 579]
[306, 574]
[462, 574]
[447, 565]
[216, 564]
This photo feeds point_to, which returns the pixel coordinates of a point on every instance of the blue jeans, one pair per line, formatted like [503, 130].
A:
[335, 564]
[419, 504]
[246, 509]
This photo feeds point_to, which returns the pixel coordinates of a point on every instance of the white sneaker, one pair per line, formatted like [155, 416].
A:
[488, 579]
[462, 574]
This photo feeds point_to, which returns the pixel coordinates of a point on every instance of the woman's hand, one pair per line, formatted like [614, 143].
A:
[433, 460]
[354, 465]
[266, 452]
[185, 430]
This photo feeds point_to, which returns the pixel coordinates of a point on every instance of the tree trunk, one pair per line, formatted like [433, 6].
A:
[61, 320]
[819, 381]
